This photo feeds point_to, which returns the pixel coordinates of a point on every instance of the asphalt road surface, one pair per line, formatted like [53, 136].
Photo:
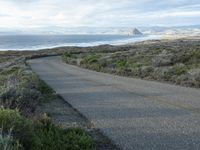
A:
[133, 113]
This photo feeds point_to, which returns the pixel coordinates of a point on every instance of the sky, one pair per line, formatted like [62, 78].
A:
[98, 13]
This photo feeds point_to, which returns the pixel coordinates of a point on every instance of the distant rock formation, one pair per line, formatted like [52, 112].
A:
[135, 32]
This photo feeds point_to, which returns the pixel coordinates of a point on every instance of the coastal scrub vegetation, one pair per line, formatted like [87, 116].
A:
[176, 61]
[21, 128]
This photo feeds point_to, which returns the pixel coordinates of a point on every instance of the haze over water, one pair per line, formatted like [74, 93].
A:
[35, 42]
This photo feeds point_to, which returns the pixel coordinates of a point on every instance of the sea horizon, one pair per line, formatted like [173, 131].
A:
[21, 42]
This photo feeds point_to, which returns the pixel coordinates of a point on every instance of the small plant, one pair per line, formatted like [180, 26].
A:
[10, 71]
[78, 139]
[7, 142]
[96, 66]
[52, 137]
[90, 59]
[179, 70]
[41, 134]
[23, 130]
[196, 53]
[69, 57]
[42, 86]
[134, 65]
[23, 99]
[67, 54]
[121, 64]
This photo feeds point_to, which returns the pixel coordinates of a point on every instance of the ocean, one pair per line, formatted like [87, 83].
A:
[36, 42]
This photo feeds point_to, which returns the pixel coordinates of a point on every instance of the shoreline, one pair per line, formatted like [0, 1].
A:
[117, 42]
[129, 42]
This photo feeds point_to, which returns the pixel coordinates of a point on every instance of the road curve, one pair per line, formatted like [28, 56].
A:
[133, 113]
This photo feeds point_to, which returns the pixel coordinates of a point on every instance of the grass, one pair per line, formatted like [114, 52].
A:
[90, 59]
[9, 71]
[41, 134]
[7, 141]
[121, 64]
[179, 70]
[18, 90]
[42, 86]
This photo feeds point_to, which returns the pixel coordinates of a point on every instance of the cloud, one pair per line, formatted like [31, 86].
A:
[68, 13]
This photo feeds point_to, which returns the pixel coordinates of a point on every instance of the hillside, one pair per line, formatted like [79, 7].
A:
[173, 61]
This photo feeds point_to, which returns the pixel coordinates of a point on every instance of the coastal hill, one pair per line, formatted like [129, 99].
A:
[135, 32]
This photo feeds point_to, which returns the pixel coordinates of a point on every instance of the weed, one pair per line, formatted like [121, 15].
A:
[41, 134]
[121, 64]
[22, 127]
[179, 70]
[90, 59]
[42, 86]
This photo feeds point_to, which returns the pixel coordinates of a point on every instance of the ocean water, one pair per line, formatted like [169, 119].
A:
[36, 42]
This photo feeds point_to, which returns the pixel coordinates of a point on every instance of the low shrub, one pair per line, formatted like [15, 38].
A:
[42, 86]
[22, 128]
[41, 134]
[10, 70]
[195, 57]
[23, 99]
[121, 64]
[53, 137]
[135, 65]
[96, 66]
[90, 59]
[69, 57]
[7, 142]
[179, 70]
[67, 54]
[182, 58]
[78, 139]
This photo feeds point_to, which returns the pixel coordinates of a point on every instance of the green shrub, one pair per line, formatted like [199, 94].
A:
[96, 67]
[69, 57]
[43, 87]
[195, 57]
[23, 99]
[67, 54]
[184, 58]
[22, 128]
[10, 71]
[5, 59]
[134, 65]
[50, 136]
[196, 53]
[78, 139]
[40, 135]
[178, 70]
[14, 77]
[53, 137]
[90, 59]
[7, 142]
[120, 64]
[188, 58]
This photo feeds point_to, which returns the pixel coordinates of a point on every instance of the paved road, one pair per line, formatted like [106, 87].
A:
[135, 114]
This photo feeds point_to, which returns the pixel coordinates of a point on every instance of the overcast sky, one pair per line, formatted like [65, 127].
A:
[98, 13]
